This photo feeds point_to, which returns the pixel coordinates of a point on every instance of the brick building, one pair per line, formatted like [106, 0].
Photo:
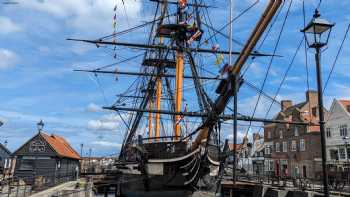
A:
[294, 150]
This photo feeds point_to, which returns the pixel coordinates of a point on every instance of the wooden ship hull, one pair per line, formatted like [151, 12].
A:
[170, 167]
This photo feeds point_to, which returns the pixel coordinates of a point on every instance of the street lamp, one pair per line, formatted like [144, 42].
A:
[346, 138]
[316, 35]
[317, 31]
[40, 125]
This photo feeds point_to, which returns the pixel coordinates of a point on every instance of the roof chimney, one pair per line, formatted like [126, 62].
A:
[311, 97]
[285, 104]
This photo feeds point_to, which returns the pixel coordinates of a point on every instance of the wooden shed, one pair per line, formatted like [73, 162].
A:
[46, 160]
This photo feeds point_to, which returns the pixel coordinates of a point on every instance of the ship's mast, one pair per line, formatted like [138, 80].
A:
[179, 72]
[158, 104]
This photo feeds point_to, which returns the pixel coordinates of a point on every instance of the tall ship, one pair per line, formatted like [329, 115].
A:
[174, 108]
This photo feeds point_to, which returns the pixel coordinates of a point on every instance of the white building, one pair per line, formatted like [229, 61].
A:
[251, 155]
[337, 136]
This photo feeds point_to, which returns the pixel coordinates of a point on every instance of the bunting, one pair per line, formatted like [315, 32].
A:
[115, 28]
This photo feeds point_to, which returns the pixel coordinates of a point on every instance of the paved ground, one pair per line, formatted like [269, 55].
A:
[72, 188]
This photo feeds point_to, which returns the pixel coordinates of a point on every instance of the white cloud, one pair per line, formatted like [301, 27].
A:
[88, 15]
[102, 125]
[8, 26]
[107, 144]
[92, 107]
[8, 58]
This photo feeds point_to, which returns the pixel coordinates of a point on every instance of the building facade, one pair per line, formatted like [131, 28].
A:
[294, 150]
[47, 160]
[5, 159]
[244, 161]
[257, 154]
[337, 136]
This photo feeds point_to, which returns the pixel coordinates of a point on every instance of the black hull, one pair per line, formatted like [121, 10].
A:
[171, 176]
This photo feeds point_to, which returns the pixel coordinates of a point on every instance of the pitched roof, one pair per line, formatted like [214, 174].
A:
[290, 109]
[346, 104]
[5, 149]
[60, 145]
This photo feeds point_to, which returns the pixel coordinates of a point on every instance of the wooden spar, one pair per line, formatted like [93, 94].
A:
[150, 116]
[158, 102]
[259, 29]
[146, 74]
[165, 47]
[178, 91]
[225, 96]
[206, 114]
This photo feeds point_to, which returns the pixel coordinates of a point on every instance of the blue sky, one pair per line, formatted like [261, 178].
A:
[38, 82]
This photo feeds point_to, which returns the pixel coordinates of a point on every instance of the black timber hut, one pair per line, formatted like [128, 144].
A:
[46, 160]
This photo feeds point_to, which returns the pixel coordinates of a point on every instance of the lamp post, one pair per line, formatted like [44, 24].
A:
[346, 138]
[316, 35]
[40, 125]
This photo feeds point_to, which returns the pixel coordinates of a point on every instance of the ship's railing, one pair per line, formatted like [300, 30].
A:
[337, 184]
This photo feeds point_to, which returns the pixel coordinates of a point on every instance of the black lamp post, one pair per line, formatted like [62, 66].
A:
[40, 125]
[346, 138]
[316, 35]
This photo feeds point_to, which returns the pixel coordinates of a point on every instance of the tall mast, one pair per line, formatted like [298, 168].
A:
[158, 104]
[179, 72]
[178, 90]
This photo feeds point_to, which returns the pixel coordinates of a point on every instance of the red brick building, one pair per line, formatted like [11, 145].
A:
[294, 150]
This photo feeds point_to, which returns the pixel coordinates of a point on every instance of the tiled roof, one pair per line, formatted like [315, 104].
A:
[60, 145]
[345, 103]
[290, 109]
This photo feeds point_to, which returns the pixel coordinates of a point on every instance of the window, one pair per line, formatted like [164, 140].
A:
[334, 154]
[302, 145]
[27, 164]
[269, 165]
[294, 146]
[285, 147]
[348, 153]
[281, 134]
[314, 111]
[328, 132]
[277, 147]
[269, 134]
[343, 130]
[267, 150]
[296, 131]
[341, 153]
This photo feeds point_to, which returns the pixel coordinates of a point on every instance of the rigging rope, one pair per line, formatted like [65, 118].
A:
[284, 77]
[336, 58]
[270, 63]
[306, 60]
